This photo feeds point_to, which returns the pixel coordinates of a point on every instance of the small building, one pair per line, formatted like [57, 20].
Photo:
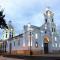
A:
[8, 33]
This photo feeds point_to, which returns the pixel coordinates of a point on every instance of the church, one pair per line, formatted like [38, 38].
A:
[44, 38]
[36, 40]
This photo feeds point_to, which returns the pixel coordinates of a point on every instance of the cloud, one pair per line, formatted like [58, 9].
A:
[22, 12]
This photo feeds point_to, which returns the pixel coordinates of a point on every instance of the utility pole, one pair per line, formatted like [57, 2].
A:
[30, 38]
[30, 44]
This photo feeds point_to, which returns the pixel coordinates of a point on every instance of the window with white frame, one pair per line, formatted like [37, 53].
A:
[19, 42]
[45, 26]
[42, 31]
[14, 43]
[42, 45]
[53, 45]
[56, 44]
[59, 44]
[55, 38]
[6, 34]
[36, 36]
[52, 29]
[23, 43]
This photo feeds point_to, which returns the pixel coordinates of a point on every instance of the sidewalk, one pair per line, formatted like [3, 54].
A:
[42, 56]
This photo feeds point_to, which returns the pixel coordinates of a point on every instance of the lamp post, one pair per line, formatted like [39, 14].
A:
[29, 29]
[5, 46]
[30, 43]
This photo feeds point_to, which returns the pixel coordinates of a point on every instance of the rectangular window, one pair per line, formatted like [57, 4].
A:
[18, 42]
[12, 34]
[56, 44]
[55, 38]
[54, 29]
[14, 43]
[6, 35]
[59, 44]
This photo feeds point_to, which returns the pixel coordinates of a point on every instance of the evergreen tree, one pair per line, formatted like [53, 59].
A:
[2, 20]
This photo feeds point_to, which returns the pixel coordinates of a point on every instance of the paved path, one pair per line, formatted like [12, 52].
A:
[5, 58]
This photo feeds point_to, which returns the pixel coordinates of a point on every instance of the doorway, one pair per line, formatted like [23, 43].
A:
[45, 48]
[46, 41]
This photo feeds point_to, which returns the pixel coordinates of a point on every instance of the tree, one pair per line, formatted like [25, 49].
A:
[2, 21]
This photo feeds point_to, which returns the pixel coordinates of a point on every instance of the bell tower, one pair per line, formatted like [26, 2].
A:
[48, 15]
[49, 19]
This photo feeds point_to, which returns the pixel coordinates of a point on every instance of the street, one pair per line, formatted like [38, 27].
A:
[42, 57]
[5, 58]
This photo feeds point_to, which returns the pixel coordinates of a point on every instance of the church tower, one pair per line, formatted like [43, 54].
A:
[49, 20]
[8, 33]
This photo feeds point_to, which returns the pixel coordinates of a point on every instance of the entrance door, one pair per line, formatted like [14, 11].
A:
[46, 41]
[45, 47]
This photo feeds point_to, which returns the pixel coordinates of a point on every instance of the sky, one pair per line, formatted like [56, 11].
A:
[22, 12]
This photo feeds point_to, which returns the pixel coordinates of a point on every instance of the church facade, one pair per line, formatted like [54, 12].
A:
[46, 37]
[36, 40]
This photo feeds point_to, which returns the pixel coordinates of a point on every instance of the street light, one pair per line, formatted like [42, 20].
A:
[29, 29]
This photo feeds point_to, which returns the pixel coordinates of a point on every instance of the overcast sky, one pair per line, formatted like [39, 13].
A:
[22, 12]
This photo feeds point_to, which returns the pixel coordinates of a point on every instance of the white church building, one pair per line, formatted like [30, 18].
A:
[36, 40]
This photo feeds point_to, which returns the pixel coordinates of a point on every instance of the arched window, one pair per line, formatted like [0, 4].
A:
[52, 20]
[46, 20]
[52, 29]
[6, 34]
[45, 32]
